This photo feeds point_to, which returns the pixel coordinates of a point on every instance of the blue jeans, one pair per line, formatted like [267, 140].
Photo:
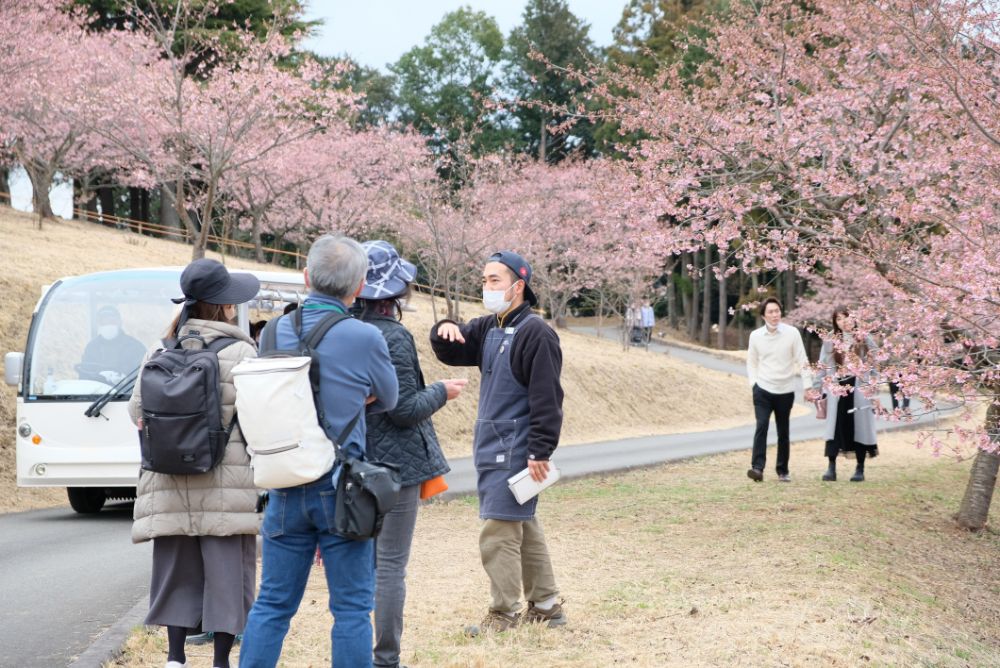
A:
[296, 520]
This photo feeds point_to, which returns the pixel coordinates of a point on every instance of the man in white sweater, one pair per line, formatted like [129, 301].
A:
[775, 358]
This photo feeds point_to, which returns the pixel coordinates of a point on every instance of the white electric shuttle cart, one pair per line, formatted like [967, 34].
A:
[73, 429]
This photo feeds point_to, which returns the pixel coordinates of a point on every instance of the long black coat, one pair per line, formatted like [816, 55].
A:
[405, 435]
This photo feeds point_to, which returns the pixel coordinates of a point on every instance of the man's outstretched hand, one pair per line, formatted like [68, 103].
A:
[449, 331]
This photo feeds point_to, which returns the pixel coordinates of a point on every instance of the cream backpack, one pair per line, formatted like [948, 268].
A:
[281, 417]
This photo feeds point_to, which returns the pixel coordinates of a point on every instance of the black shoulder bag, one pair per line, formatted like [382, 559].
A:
[366, 492]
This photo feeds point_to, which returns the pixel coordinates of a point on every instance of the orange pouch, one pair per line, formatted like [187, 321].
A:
[432, 487]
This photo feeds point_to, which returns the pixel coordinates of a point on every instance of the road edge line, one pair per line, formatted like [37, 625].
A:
[111, 643]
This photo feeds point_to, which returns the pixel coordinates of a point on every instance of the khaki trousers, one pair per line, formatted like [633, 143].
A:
[515, 554]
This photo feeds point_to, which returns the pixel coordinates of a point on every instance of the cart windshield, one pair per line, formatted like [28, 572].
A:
[92, 331]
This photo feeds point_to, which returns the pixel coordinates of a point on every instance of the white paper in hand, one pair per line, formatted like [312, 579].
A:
[525, 488]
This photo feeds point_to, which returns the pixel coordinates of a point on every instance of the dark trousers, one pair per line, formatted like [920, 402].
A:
[896, 403]
[765, 403]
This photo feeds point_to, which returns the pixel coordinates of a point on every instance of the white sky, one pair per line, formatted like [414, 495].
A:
[60, 197]
[378, 32]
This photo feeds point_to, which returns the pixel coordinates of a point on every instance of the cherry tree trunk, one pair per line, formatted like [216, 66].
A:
[975, 509]
[687, 291]
[706, 297]
[85, 198]
[723, 305]
[542, 140]
[557, 311]
[672, 300]
[754, 285]
[740, 327]
[41, 185]
[258, 244]
[201, 239]
[695, 317]
[4, 185]
[790, 293]
[168, 207]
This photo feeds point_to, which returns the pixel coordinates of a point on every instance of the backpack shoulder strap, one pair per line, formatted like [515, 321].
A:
[338, 452]
[269, 336]
[222, 342]
[317, 333]
[178, 343]
[216, 346]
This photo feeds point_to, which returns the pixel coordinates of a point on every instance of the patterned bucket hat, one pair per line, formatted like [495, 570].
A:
[388, 274]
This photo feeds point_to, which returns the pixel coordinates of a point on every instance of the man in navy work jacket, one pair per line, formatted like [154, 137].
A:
[520, 416]
[355, 370]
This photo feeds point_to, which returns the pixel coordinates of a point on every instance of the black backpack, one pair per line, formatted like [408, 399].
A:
[182, 431]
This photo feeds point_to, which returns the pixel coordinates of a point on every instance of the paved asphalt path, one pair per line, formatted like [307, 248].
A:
[66, 579]
[706, 359]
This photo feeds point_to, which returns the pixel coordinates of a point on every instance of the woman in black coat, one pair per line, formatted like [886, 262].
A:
[404, 436]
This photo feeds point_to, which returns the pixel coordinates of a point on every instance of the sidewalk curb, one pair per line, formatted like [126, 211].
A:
[109, 645]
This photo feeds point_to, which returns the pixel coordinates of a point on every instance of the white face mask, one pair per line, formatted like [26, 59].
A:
[494, 300]
[107, 331]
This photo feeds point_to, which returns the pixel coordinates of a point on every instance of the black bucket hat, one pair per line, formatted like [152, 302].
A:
[209, 281]
[521, 269]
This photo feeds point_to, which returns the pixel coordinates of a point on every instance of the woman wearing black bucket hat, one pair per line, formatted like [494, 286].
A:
[203, 527]
[404, 436]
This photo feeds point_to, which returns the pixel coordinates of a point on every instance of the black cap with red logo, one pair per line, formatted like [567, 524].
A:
[521, 269]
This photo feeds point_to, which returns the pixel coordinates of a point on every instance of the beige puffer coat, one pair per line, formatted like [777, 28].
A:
[221, 502]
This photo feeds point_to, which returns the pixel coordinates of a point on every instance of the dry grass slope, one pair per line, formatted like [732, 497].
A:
[691, 564]
[610, 393]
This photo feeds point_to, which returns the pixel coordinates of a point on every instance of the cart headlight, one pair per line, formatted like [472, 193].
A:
[24, 430]
[39, 469]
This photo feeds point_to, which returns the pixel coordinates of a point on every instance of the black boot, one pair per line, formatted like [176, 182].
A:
[831, 471]
[859, 473]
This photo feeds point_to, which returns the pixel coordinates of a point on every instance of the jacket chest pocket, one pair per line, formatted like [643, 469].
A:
[494, 441]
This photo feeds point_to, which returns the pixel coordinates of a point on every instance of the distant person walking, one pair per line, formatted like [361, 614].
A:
[899, 398]
[775, 357]
[520, 418]
[648, 320]
[203, 527]
[850, 419]
[633, 323]
[403, 436]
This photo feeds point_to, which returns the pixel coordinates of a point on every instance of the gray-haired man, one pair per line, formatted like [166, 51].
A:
[355, 370]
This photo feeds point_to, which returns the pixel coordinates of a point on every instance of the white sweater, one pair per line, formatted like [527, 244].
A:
[774, 359]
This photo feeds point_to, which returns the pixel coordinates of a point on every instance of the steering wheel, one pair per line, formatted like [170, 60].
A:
[91, 371]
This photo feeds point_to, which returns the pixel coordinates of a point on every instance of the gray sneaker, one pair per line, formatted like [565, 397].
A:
[784, 477]
[552, 617]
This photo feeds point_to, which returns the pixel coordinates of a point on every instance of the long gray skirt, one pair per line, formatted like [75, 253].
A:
[203, 582]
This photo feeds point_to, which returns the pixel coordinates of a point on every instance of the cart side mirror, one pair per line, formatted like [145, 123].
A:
[12, 365]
